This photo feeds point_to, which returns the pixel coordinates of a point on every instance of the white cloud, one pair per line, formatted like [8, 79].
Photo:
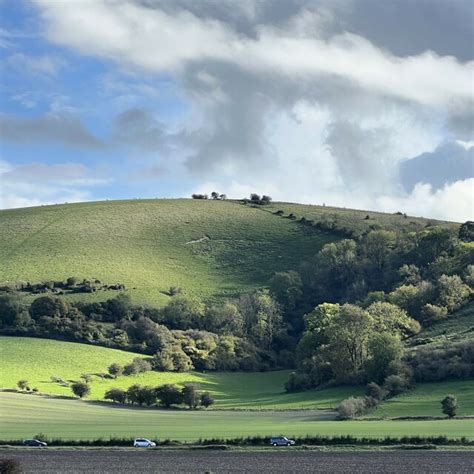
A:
[454, 202]
[288, 111]
[36, 184]
[151, 39]
[41, 65]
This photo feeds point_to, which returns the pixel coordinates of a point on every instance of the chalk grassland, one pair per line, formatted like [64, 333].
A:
[36, 360]
[26, 415]
[354, 221]
[210, 249]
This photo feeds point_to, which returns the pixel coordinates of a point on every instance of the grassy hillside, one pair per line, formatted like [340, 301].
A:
[352, 221]
[26, 415]
[457, 327]
[425, 400]
[208, 248]
[36, 360]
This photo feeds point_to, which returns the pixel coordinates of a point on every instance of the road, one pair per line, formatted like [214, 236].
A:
[118, 461]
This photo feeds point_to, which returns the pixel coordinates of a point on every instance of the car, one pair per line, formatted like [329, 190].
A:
[281, 441]
[143, 443]
[34, 442]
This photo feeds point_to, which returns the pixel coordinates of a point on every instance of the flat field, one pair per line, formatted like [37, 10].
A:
[36, 360]
[279, 460]
[210, 249]
[27, 415]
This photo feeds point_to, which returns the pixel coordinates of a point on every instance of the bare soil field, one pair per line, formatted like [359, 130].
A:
[118, 461]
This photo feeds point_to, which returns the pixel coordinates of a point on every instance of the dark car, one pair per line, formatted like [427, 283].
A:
[34, 442]
[281, 441]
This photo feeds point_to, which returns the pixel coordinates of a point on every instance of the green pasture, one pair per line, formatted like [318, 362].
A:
[36, 360]
[425, 400]
[25, 415]
[210, 249]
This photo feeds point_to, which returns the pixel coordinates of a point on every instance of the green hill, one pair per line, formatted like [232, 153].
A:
[207, 248]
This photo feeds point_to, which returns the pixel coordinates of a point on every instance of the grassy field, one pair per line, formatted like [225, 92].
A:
[425, 400]
[356, 221]
[208, 248]
[36, 360]
[26, 415]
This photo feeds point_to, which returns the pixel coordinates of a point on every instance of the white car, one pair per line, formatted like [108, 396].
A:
[143, 443]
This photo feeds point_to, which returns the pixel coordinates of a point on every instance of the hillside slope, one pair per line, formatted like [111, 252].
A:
[207, 248]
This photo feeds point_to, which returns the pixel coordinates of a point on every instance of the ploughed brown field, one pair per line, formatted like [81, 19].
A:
[275, 460]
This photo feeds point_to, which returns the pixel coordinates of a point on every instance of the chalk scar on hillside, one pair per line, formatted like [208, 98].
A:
[202, 239]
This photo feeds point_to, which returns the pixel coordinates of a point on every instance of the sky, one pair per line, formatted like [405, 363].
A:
[365, 104]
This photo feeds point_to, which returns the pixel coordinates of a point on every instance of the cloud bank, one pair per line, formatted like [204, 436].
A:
[310, 101]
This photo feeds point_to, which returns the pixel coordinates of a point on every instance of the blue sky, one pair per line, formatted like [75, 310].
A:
[305, 101]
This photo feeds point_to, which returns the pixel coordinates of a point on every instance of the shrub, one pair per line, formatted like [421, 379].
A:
[449, 406]
[117, 395]
[395, 384]
[191, 396]
[71, 281]
[141, 365]
[206, 399]
[298, 381]
[115, 370]
[375, 391]
[431, 313]
[352, 407]
[22, 384]
[130, 369]
[80, 389]
[174, 290]
[58, 379]
[87, 378]
[169, 394]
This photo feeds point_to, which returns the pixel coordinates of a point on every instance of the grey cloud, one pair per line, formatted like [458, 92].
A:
[63, 129]
[447, 164]
[138, 127]
[404, 27]
[360, 155]
[409, 27]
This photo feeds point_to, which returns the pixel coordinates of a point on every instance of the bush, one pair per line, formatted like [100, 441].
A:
[395, 384]
[375, 391]
[449, 406]
[22, 384]
[80, 389]
[169, 394]
[115, 370]
[117, 395]
[297, 382]
[353, 406]
[87, 378]
[191, 396]
[141, 365]
[206, 399]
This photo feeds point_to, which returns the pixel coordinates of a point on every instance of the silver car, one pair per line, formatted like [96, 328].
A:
[143, 443]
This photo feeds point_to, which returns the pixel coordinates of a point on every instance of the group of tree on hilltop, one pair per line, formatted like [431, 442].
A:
[254, 198]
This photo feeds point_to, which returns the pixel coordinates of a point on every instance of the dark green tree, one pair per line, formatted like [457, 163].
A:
[169, 394]
[449, 406]
[191, 396]
[80, 389]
